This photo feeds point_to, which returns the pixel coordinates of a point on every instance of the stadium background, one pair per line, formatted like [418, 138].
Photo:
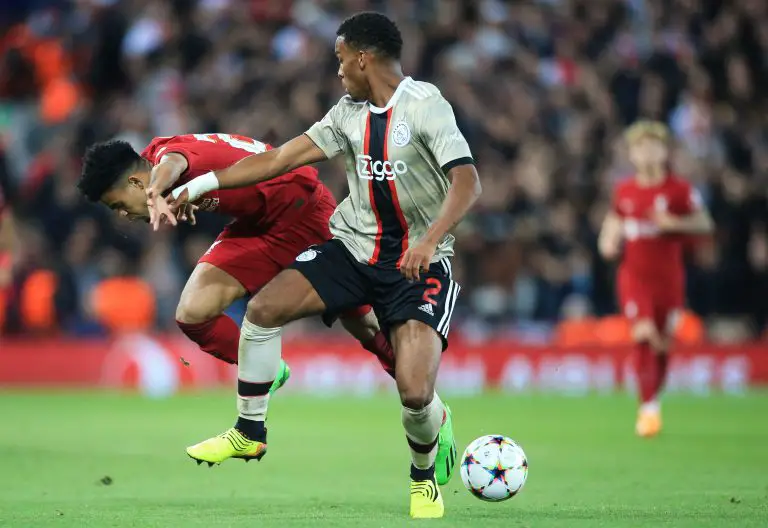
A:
[541, 89]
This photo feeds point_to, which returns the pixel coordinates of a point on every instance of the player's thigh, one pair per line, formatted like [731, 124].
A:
[247, 254]
[323, 279]
[668, 308]
[287, 297]
[431, 299]
[635, 302]
[338, 279]
[418, 348]
[207, 293]
[361, 323]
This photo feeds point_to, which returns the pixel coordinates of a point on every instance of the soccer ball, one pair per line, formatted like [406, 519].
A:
[494, 468]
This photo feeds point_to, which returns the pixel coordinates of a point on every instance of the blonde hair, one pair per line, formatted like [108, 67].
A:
[646, 127]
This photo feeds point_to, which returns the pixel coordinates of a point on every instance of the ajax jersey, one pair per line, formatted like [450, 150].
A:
[397, 158]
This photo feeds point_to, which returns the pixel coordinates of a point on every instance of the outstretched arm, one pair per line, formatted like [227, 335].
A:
[464, 191]
[257, 168]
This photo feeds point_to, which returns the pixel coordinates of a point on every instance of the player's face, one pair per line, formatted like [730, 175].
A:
[128, 200]
[648, 151]
[351, 70]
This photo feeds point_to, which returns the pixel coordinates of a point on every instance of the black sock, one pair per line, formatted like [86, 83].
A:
[252, 429]
[423, 474]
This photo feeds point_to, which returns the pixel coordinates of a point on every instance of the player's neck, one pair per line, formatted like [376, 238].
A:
[384, 85]
[651, 176]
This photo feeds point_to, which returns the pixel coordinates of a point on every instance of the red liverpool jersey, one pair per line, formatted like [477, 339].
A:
[649, 254]
[262, 203]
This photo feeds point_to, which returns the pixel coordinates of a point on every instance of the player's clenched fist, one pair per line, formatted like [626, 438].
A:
[416, 259]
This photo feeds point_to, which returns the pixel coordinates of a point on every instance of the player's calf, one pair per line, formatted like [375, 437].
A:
[417, 350]
[218, 337]
[287, 297]
[199, 313]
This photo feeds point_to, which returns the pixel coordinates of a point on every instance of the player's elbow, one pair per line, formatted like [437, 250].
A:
[477, 187]
[471, 184]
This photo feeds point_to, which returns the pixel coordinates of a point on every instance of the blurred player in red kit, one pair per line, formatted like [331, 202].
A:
[654, 213]
[274, 222]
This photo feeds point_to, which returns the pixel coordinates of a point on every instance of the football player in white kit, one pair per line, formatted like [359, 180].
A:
[411, 179]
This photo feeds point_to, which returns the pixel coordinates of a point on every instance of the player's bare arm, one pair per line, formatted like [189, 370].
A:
[697, 223]
[257, 168]
[609, 240]
[464, 191]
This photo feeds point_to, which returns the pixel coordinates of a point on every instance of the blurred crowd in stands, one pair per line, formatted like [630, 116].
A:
[542, 89]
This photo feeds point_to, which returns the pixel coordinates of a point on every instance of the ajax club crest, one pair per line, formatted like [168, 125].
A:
[401, 134]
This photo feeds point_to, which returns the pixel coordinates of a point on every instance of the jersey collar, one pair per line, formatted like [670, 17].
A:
[392, 100]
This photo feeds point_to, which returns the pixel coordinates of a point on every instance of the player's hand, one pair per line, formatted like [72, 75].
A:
[159, 210]
[186, 213]
[417, 259]
[665, 221]
[180, 201]
[609, 249]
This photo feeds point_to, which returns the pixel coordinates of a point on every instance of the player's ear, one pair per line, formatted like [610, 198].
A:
[135, 181]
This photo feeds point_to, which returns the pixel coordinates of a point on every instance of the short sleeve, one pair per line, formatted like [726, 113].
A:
[326, 133]
[442, 136]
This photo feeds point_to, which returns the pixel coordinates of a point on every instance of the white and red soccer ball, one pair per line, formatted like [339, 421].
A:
[494, 468]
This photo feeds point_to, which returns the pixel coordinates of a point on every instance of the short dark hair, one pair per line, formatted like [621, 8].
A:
[372, 31]
[104, 164]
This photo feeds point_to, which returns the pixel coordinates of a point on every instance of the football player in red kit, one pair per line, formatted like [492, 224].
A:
[653, 214]
[274, 222]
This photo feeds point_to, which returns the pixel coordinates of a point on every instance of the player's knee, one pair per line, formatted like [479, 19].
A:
[265, 313]
[416, 398]
[643, 331]
[189, 312]
[361, 323]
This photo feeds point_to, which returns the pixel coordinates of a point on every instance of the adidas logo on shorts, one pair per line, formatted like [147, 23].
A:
[427, 308]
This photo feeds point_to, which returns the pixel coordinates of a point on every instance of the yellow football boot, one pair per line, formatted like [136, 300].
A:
[426, 500]
[230, 444]
[648, 423]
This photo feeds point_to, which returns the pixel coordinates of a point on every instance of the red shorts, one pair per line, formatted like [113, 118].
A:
[255, 254]
[661, 302]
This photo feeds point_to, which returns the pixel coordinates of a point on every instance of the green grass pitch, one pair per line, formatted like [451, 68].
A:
[344, 462]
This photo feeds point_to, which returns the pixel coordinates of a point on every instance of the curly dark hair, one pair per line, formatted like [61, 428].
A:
[369, 31]
[104, 164]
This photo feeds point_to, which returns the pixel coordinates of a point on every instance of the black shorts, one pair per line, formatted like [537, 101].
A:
[344, 283]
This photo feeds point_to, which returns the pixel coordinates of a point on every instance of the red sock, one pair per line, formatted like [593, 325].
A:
[647, 377]
[662, 361]
[380, 347]
[219, 337]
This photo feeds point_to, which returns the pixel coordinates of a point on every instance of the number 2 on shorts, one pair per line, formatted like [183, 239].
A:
[433, 291]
